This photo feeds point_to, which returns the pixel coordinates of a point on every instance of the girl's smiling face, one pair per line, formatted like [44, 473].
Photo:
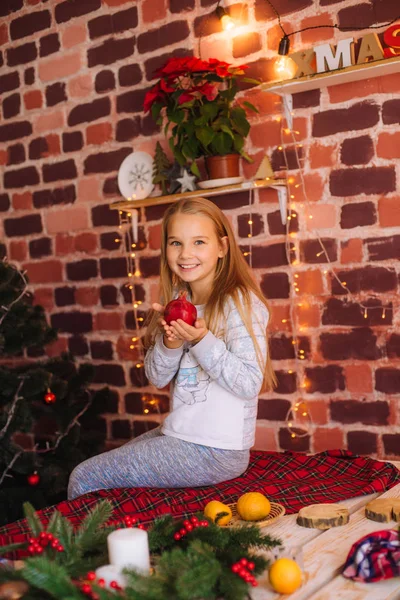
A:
[193, 250]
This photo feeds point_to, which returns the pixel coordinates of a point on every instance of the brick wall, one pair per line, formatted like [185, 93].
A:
[72, 80]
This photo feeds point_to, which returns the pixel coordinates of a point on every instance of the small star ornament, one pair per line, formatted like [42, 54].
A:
[187, 182]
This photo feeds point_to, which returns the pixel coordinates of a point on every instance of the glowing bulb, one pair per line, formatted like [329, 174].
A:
[293, 435]
[227, 23]
[283, 67]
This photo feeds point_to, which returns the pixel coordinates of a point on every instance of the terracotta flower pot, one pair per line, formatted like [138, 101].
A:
[222, 166]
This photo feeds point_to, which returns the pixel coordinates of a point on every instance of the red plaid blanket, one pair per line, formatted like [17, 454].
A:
[292, 479]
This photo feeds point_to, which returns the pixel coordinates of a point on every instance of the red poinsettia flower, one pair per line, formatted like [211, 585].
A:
[219, 67]
[174, 67]
[206, 89]
[185, 97]
[151, 96]
[165, 87]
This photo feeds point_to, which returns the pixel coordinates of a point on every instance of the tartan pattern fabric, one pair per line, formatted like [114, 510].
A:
[374, 557]
[292, 479]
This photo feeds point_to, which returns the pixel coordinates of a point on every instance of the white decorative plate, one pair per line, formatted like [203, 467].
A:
[135, 176]
[213, 183]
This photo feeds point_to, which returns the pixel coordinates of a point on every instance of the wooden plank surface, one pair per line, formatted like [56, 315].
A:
[324, 553]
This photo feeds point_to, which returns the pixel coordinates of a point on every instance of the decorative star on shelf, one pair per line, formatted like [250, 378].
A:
[173, 174]
[187, 182]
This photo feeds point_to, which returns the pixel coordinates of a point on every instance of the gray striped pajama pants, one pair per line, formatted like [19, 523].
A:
[157, 460]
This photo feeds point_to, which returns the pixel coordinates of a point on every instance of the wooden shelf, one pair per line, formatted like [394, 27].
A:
[386, 66]
[226, 189]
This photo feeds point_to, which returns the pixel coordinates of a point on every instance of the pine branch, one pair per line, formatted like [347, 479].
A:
[50, 577]
[90, 528]
[7, 308]
[72, 424]
[10, 466]
[35, 524]
[13, 407]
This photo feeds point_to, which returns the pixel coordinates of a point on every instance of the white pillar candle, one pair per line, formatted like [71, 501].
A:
[111, 573]
[129, 548]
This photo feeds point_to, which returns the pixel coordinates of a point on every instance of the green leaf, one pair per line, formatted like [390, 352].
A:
[222, 143]
[176, 116]
[227, 130]
[250, 106]
[249, 80]
[204, 135]
[195, 169]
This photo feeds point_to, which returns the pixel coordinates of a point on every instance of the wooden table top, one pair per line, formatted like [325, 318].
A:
[324, 553]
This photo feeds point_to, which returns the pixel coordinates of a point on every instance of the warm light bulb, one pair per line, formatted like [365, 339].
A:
[283, 67]
[227, 23]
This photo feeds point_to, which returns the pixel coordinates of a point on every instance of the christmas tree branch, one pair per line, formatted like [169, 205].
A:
[74, 421]
[11, 412]
[10, 466]
[7, 308]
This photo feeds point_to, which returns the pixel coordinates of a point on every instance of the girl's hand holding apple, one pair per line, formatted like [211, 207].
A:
[188, 333]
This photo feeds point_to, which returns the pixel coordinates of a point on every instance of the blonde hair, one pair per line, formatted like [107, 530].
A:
[233, 276]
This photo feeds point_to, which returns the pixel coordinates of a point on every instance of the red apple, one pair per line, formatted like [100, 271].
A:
[180, 309]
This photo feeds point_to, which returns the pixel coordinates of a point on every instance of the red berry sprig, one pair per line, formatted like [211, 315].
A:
[188, 526]
[240, 569]
[39, 543]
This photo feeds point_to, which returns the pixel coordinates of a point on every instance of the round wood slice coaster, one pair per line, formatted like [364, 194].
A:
[383, 510]
[322, 516]
[277, 511]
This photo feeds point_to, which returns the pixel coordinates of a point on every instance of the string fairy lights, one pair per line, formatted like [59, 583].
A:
[298, 419]
[129, 244]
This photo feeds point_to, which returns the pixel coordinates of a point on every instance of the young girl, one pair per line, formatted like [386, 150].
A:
[216, 368]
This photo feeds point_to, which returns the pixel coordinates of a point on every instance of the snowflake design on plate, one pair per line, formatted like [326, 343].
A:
[139, 176]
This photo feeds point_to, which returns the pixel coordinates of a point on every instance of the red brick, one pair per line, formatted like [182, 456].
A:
[22, 201]
[314, 189]
[70, 219]
[47, 271]
[153, 10]
[124, 351]
[57, 68]
[307, 315]
[359, 379]
[53, 144]
[323, 217]
[80, 86]
[355, 181]
[325, 438]
[265, 438]
[49, 121]
[89, 190]
[389, 84]
[315, 36]
[86, 242]
[389, 212]
[64, 244]
[116, 2]
[279, 313]
[318, 410]
[108, 321]
[310, 282]
[356, 89]
[3, 157]
[322, 156]
[266, 135]
[99, 134]
[3, 34]
[73, 35]
[18, 250]
[33, 99]
[87, 296]
[44, 297]
[154, 237]
[388, 145]
[57, 347]
[351, 251]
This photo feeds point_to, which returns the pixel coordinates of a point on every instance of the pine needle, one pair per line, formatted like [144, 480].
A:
[87, 536]
[50, 577]
[35, 524]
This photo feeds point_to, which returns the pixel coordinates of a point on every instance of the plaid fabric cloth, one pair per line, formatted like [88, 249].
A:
[292, 479]
[375, 557]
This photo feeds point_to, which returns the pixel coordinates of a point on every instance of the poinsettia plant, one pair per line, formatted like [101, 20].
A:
[196, 101]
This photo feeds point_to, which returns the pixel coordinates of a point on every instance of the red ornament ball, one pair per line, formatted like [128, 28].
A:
[180, 309]
[33, 478]
[49, 397]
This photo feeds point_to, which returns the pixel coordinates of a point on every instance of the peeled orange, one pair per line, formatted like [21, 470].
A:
[215, 508]
[285, 576]
[253, 506]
